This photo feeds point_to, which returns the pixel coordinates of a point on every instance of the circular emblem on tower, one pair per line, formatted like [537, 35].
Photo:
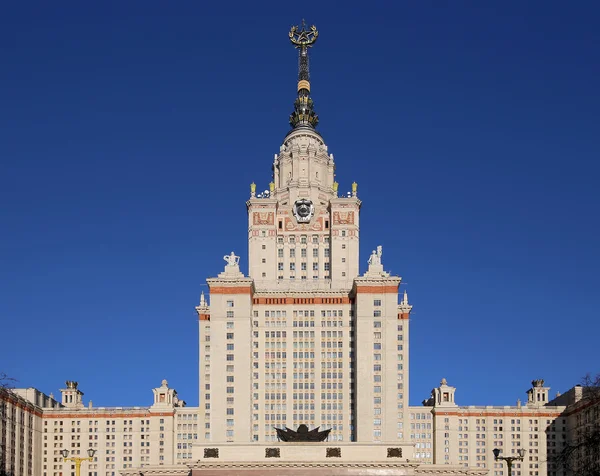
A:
[303, 210]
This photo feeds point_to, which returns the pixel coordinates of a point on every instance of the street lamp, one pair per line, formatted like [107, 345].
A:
[509, 459]
[77, 460]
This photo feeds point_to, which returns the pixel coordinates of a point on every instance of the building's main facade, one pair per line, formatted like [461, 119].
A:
[302, 339]
[300, 310]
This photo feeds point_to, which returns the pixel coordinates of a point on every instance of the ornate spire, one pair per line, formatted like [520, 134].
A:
[404, 306]
[304, 114]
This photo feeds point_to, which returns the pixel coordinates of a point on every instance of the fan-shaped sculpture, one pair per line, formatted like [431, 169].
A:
[302, 434]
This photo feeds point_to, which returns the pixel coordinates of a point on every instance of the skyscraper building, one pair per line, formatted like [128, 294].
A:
[289, 331]
[301, 349]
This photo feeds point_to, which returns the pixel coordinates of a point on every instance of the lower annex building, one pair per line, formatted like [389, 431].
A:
[303, 339]
[163, 439]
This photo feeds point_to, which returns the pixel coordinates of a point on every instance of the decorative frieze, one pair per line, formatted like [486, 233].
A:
[333, 453]
[394, 452]
[272, 453]
[211, 452]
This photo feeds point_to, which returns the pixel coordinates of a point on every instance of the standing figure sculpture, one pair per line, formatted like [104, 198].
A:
[375, 258]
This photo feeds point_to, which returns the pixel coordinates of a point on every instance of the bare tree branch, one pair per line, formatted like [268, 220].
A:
[6, 382]
[581, 453]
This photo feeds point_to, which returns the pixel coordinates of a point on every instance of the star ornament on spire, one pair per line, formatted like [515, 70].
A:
[303, 38]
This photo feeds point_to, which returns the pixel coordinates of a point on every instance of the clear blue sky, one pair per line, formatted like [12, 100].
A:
[130, 131]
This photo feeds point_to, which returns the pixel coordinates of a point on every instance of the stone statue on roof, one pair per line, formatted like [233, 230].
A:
[232, 259]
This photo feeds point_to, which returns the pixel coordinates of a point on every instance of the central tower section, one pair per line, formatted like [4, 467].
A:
[303, 341]
[302, 235]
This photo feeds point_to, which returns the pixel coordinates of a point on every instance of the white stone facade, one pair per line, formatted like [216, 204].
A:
[298, 315]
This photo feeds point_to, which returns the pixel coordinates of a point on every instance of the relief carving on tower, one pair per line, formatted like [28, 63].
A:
[343, 218]
[263, 218]
[292, 225]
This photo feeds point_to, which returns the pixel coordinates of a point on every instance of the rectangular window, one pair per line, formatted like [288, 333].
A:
[292, 266]
[303, 253]
[229, 303]
[280, 266]
[377, 313]
[377, 302]
[315, 266]
[326, 266]
[292, 253]
[303, 266]
[280, 253]
[229, 314]
[326, 252]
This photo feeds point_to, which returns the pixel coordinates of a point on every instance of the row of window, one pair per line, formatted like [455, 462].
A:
[303, 253]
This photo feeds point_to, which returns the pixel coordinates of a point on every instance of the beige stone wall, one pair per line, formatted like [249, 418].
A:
[466, 436]
[306, 452]
[20, 435]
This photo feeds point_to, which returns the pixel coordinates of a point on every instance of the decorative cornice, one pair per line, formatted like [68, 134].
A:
[236, 288]
[200, 466]
[286, 299]
[498, 412]
[382, 288]
[104, 413]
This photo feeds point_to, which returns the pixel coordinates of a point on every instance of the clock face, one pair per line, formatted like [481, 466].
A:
[303, 210]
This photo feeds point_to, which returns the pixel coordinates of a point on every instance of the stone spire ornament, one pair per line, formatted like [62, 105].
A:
[404, 307]
[304, 114]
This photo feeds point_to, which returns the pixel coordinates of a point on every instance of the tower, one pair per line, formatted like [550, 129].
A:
[71, 395]
[303, 339]
[537, 395]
